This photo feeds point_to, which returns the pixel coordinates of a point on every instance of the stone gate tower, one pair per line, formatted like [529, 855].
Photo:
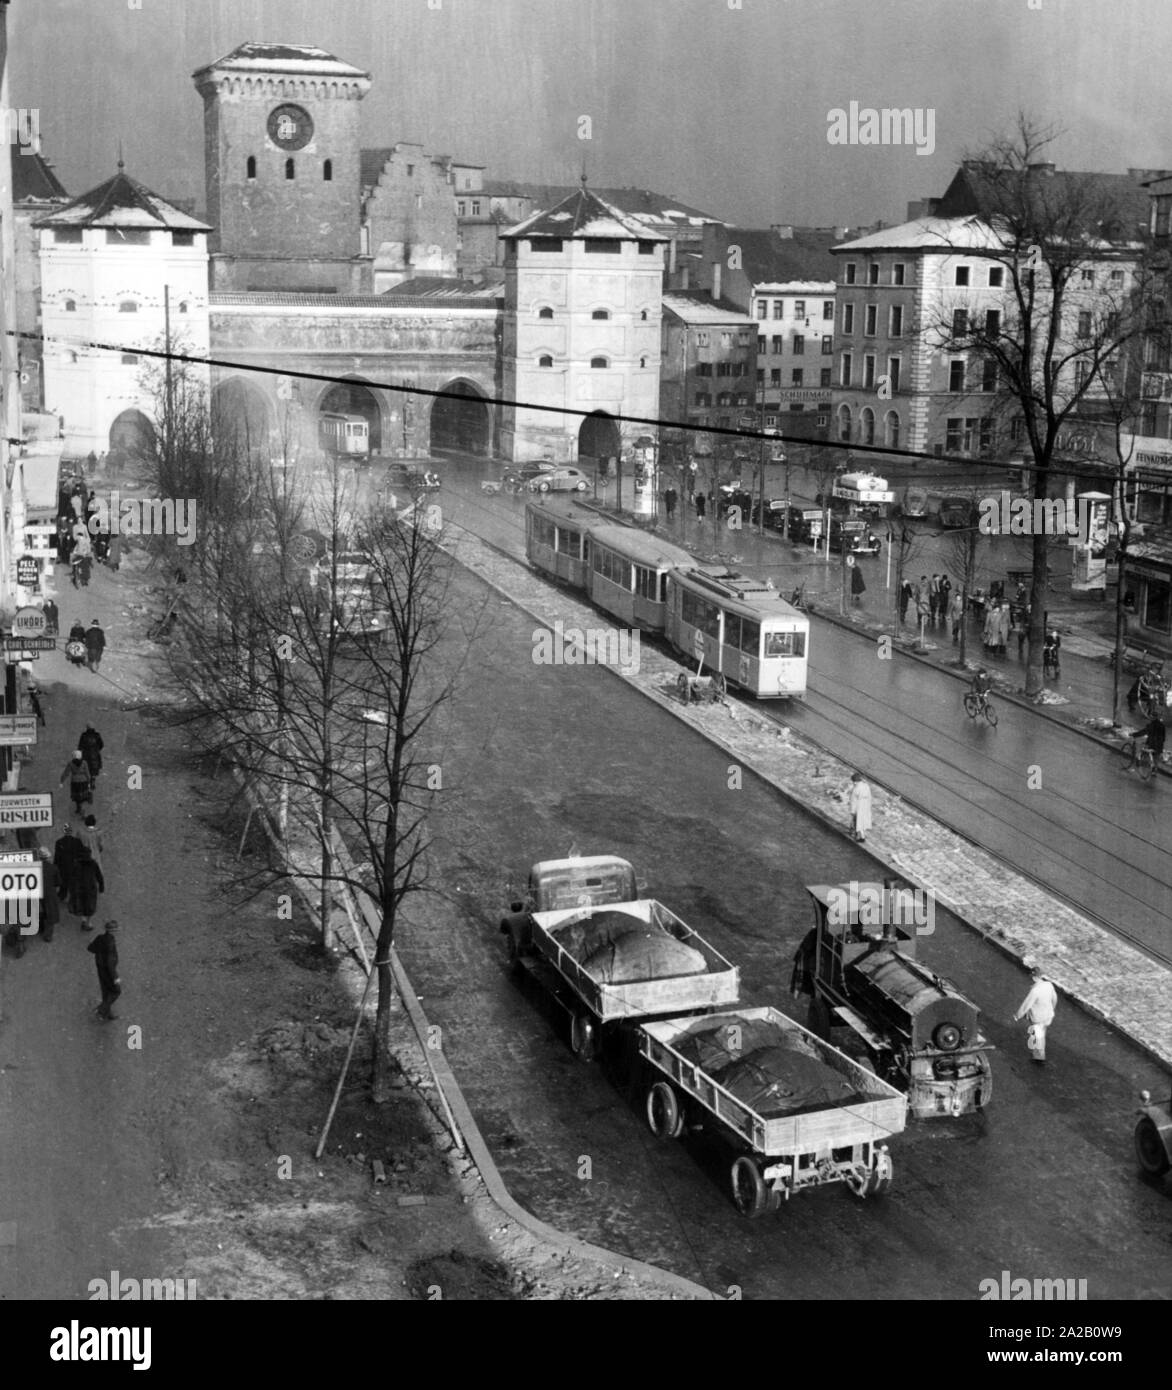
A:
[281, 159]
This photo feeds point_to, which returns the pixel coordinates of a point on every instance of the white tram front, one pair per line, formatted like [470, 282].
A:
[742, 629]
[344, 434]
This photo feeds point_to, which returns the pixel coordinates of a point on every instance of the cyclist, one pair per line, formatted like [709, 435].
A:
[1050, 651]
[1154, 734]
[1148, 691]
[982, 684]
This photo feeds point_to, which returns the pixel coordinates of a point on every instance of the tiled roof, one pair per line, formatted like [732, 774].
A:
[437, 287]
[284, 57]
[701, 308]
[767, 258]
[33, 178]
[584, 214]
[393, 299]
[122, 202]
[641, 204]
[1119, 198]
[929, 234]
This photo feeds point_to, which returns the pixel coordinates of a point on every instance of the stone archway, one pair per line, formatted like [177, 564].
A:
[241, 416]
[599, 437]
[132, 436]
[354, 397]
[463, 423]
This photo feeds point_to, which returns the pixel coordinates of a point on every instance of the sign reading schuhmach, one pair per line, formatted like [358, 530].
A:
[25, 810]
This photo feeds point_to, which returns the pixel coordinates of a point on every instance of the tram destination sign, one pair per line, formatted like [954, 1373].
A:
[26, 810]
[16, 729]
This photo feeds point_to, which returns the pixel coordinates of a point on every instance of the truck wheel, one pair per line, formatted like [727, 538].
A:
[1149, 1148]
[664, 1116]
[749, 1191]
[583, 1037]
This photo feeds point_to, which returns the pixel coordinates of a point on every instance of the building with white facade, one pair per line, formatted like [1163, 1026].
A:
[117, 264]
[581, 334]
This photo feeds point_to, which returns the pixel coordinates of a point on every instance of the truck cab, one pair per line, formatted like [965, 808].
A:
[555, 884]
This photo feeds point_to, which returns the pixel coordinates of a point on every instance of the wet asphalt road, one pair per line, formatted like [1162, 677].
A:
[538, 758]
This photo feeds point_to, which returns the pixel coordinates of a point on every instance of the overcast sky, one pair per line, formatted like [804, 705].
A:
[726, 108]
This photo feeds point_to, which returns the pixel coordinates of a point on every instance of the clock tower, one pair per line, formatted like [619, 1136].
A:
[281, 160]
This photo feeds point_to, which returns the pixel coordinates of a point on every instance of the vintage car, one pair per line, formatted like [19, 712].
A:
[855, 535]
[1153, 1135]
[560, 480]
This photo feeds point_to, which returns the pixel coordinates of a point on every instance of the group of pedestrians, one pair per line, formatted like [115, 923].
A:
[933, 602]
[77, 544]
[86, 645]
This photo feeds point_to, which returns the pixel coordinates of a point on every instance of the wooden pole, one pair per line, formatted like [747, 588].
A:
[321, 1143]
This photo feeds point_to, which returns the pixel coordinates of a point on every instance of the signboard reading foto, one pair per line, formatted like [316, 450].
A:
[16, 729]
[25, 810]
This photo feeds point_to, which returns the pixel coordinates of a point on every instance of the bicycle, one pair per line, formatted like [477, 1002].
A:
[975, 704]
[1135, 753]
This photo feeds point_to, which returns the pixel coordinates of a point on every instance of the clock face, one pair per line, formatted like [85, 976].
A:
[290, 127]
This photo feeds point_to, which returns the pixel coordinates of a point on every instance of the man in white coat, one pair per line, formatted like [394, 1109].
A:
[1038, 1007]
[860, 806]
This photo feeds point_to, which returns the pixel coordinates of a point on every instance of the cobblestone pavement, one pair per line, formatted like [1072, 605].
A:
[1105, 975]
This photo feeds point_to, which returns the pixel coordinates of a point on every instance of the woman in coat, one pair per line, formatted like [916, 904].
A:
[86, 882]
[860, 806]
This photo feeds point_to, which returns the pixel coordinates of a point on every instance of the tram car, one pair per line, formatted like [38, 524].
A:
[740, 628]
[911, 1026]
[344, 435]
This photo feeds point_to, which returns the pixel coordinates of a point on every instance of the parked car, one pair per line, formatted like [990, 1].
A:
[519, 475]
[956, 512]
[560, 480]
[805, 524]
[1153, 1135]
[855, 535]
[408, 477]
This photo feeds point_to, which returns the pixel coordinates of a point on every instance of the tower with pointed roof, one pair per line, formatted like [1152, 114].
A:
[281, 159]
[583, 303]
[111, 261]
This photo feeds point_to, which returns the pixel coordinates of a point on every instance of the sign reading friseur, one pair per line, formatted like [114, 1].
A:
[26, 810]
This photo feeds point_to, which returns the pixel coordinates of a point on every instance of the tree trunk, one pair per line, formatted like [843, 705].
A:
[1120, 621]
[1034, 679]
[383, 1063]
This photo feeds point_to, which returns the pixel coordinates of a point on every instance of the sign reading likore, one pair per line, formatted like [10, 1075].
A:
[25, 810]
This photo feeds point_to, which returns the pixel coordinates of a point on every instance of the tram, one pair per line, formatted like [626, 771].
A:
[347, 435]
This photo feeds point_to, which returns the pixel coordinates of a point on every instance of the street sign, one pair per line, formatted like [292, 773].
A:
[31, 621]
[26, 810]
[30, 644]
[16, 729]
[20, 654]
[20, 881]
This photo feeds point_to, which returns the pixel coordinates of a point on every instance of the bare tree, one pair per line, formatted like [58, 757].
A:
[963, 552]
[1070, 264]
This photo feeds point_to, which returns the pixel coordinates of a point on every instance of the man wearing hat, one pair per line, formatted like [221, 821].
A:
[50, 904]
[104, 949]
[81, 783]
[1038, 1007]
[95, 644]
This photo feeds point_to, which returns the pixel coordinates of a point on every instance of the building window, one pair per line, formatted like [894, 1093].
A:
[724, 398]
[327, 171]
[891, 430]
[1148, 418]
[599, 362]
[822, 421]
[847, 362]
[182, 238]
[547, 245]
[996, 277]
[775, 376]
[962, 275]
[824, 376]
[701, 398]
[461, 207]
[795, 407]
[71, 306]
[960, 323]
[410, 170]
[760, 376]
[603, 246]
[848, 318]
[992, 323]
[642, 361]
[828, 310]
[468, 182]
[779, 308]
[894, 370]
[799, 345]
[600, 314]
[956, 374]
[953, 428]
[703, 368]
[250, 167]
[762, 308]
[545, 313]
[545, 360]
[1084, 325]
[475, 207]
[869, 372]
[130, 359]
[988, 435]
[643, 315]
[897, 273]
[128, 306]
[799, 308]
[844, 423]
[724, 369]
[871, 326]
[989, 374]
[1087, 275]
[646, 248]
[777, 345]
[701, 339]
[743, 339]
[795, 376]
[66, 236]
[873, 273]
[848, 273]
[127, 236]
[183, 306]
[827, 345]
[867, 426]
[290, 169]
[895, 321]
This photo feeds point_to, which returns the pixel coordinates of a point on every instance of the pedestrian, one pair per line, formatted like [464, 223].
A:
[956, 614]
[95, 645]
[923, 602]
[91, 508]
[669, 503]
[858, 583]
[82, 544]
[52, 618]
[1021, 629]
[1038, 1007]
[114, 553]
[933, 598]
[104, 949]
[81, 784]
[77, 500]
[92, 840]
[84, 570]
[86, 884]
[91, 746]
[75, 644]
[701, 502]
[65, 853]
[74, 568]
[50, 899]
[63, 541]
[945, 596]
[860, 806]
[1002, 628]
[989, 636]
[34, 700]
[906, 594]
